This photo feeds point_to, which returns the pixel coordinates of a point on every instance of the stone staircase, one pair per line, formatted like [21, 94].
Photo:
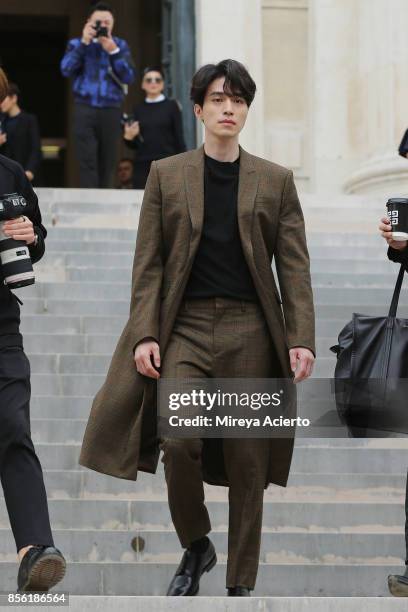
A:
[336, 530]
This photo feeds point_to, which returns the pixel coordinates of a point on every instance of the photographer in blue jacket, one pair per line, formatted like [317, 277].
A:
[101, 67]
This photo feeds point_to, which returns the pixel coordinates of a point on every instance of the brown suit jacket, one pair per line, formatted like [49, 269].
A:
[120, 437]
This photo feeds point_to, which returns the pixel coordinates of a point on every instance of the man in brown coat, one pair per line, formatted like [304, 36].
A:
[204, 304]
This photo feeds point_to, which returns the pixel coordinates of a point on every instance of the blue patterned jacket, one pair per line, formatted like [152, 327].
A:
[88, 66]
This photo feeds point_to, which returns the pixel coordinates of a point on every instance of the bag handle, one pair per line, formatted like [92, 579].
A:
[395, 298]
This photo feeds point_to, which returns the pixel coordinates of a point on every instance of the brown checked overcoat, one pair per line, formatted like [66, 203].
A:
[120, 436]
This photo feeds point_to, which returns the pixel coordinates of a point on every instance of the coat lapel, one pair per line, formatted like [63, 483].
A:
[247, 188]
[194, 184]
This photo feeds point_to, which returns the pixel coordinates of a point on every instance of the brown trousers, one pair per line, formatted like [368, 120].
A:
[220, 338]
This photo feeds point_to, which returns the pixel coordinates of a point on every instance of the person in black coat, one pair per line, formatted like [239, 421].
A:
[41, 564]
[398, 252]
[20, 134]
[155, 129]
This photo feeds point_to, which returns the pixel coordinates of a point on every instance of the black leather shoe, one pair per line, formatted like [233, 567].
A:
[239, 591]
[40, 569]
[186, 580]
[398, 585]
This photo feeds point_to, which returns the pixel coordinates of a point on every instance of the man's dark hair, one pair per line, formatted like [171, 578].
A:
[99, 6]
[238, 81]
[13, 89]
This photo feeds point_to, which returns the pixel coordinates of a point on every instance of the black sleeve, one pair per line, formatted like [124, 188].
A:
[34, 214]
[180, 145]
[34, 158]
[398, 256]
[403, 148]
[133, 144]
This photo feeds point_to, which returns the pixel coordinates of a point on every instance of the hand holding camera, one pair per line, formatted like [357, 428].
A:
[88, 33]
[131, 130]
[16, 232]
[101, 33]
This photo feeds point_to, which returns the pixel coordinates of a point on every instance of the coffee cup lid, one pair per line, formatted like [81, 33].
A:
[397, 201]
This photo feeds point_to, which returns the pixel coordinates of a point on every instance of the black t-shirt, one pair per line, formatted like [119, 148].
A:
[13, 180]
[220, 268]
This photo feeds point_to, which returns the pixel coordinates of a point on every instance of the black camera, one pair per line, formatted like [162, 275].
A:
[127, 119]
[100, 30]
[15, 260]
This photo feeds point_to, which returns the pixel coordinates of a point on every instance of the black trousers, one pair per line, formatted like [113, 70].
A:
[97, 134]
[20, 470]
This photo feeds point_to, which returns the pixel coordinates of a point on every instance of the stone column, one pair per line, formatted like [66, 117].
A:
[233, 29]
[382, 60]
[332, 26]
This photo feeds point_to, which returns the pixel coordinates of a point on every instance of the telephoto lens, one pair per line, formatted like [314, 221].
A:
[16, 266]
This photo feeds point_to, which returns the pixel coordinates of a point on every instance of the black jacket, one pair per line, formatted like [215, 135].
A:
[161, 130]
[13, 179]
[23, 142]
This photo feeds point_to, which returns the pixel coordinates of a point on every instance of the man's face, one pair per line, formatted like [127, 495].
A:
[153, 83]
[125, 171]
[105, 17]
[8, 103]
[224, 114]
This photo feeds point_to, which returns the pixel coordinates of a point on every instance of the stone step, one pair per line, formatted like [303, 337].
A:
[120, 307]
[73, 307]
[278, 516]
[59, 247]
[39, 345]
[326, 278]
[360, 252]
[50, 324]
[116, 291]
[100, 234]
[70, 354]
[70, 324]
[294, 581]
[81, 384]
[92, 197]
[323, 488]
[156, 603]
[278, 548]
[357, 281]
[323, 460]
[331, 264]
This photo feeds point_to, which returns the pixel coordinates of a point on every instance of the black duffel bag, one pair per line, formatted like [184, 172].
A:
[371, 375]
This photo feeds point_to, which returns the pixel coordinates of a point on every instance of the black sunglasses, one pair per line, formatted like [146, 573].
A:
[153, 79]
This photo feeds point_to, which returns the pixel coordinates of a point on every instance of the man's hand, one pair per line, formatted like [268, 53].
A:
[88, 33]
[386, 232]
[20, 229]
[131, 130]
[143, 353]
[108, 43]
[301, 362]
[3, 138]
[29, 175]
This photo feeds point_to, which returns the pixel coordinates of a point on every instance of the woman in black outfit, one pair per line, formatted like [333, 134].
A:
[156, 129]
[41, 564]
[19, 134]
